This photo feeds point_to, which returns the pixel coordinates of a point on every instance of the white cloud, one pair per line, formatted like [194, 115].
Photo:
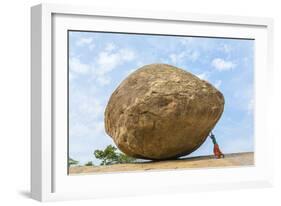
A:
[79, 130]
[110, 59]
[127, 55]
[75, 65]
[91, 106]
[193, 56]
[223, 65]
[218, 84]
[130, 72]
[107, 61]
[92, 46]
[84, 41]
[110, 47]
[203, 75]
[177, 58]
[187, 41]
[103, 80]
[225, 48]
[84, 104]
[140, 64]
[199, 44]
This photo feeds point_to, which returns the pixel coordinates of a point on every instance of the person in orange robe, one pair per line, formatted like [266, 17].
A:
[218, 154]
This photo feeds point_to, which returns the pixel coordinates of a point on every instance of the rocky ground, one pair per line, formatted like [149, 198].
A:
[230, 160]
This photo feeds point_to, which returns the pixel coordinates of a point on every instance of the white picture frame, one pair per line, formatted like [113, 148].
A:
[49, 179]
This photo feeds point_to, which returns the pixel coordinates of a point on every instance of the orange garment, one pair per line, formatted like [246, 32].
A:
[218, 154]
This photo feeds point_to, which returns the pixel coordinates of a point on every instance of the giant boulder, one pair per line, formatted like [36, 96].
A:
[162, 112]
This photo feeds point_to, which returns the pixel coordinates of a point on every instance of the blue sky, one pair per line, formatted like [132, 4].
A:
[98, 62]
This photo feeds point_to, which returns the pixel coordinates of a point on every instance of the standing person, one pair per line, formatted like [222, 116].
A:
[218, 154]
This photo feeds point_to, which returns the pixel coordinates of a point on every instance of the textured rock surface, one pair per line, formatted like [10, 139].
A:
[162, 112]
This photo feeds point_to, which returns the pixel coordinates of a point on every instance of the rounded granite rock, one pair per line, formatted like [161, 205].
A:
[162, 112]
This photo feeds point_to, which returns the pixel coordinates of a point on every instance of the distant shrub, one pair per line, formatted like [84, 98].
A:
[90, 163]
[72, 162]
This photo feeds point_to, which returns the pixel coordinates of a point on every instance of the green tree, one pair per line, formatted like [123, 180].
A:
[110, 156]
[72, 162]
[125, 159]
[90, 163]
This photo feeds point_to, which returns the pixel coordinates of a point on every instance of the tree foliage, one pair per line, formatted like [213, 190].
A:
[72, 162]
[110, 156]
[90, 163]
